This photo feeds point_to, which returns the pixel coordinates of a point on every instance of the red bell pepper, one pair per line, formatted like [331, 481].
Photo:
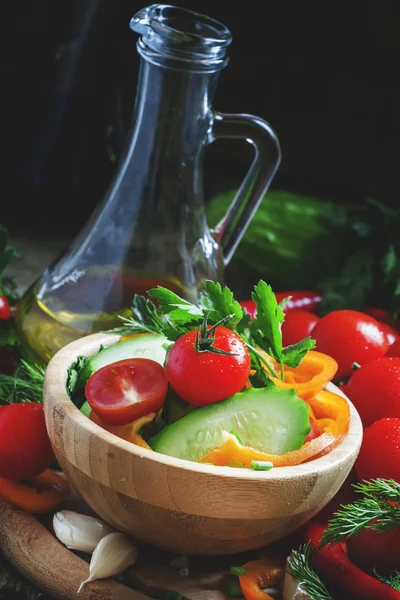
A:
[300, 299]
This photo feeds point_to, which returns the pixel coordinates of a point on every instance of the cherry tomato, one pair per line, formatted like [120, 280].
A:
[127, 390]
[371, 550]
[391, 334]
[350, 336]
[374, 389]
[298, 324]
[25, 449]
[378, 313]
[394, 349]
[380, 451]
[205, 377]
[5, 310]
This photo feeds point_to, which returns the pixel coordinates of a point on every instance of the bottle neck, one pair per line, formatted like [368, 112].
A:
[173, 114]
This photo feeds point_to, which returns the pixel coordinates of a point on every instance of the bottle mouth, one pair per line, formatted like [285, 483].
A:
[182, 34]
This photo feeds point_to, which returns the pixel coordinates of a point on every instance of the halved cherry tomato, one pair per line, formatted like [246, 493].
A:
[204, 377]
[261, 574]
[25, 449]
[298, 324]
[127, 390]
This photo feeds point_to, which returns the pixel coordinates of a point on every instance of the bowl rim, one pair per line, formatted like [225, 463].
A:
[55, 386]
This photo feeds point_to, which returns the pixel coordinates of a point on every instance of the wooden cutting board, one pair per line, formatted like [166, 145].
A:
[29, 544]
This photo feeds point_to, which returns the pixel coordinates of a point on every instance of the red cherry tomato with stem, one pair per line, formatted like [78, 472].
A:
[350, 337]
[205, 377]
[380, 451]
[127, 390]
[374, 389]
[5, 310]
[298, 324]
[25, 449]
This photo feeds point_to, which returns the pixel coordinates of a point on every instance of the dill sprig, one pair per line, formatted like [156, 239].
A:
[393, 579]
[299, 564]
[25, 385]
[377, 509]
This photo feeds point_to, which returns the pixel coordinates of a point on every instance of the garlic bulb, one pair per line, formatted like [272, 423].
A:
[291, 588]
[79, 532]
[113, 554]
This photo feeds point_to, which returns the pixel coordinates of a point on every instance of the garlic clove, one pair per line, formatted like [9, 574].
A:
[293, 589]
[79, 532]
[113, 554]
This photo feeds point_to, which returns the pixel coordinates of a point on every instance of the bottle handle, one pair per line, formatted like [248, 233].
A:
[259, 133]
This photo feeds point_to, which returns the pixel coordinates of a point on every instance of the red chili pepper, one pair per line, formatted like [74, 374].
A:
[303, 299]
[334, 566]
[5, 310]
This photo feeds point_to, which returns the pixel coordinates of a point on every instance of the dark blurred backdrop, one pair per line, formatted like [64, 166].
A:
[325, 75]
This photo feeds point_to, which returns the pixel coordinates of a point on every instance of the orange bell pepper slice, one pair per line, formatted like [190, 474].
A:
[310, 376]
[129, 431]
[47, 494]
[261, 574]
[333, 417]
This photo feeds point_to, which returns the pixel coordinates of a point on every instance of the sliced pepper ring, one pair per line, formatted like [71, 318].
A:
[261, 574]
[48, 491]
[310, 376]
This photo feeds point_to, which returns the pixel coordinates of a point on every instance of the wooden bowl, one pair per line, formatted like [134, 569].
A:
[176, 504]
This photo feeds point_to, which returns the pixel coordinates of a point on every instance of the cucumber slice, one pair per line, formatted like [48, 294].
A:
[271, 420]
[142, 346]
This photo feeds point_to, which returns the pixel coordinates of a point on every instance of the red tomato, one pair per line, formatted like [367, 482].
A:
[374, 389]
[394, 349]
[350, 336]
[391, 334]
[371, 550]
[5, 310]
[380, 451]
[25, 449]
[205, 377]
[127, 390]
[298, 324]
[378, 313]
[250, 306]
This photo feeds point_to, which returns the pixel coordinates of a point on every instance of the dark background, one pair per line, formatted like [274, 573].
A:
[325, 75]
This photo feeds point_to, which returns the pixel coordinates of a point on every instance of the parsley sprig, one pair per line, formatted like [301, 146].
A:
[378, 508]
[166, 313]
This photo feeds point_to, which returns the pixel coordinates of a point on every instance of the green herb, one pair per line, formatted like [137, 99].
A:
[73, 373]
[25, 385]
[174, 316]
[237, 436]
[7, 254]
[237, 571]
[171, 595]
[377, 509]
[261, 465]
[265, 329]
[299, 564]
[393, 580]
[8, 335]
[234, 590]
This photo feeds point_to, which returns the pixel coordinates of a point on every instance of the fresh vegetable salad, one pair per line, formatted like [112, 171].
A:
[212, 383]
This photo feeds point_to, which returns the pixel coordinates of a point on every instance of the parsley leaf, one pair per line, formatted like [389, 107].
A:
[266, 327]
[73, 373]
[293, 355]
[220, 303]
[179, 310]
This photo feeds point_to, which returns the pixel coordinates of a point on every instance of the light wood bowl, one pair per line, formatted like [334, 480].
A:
[177, 504]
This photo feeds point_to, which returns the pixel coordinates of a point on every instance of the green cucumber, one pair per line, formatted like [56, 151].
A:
[143, 346]
[271, 420]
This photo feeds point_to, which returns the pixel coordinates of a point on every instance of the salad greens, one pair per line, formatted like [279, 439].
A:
[174, 316]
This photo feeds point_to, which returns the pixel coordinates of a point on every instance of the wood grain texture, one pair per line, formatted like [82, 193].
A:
[40, 557]
[177, 504]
